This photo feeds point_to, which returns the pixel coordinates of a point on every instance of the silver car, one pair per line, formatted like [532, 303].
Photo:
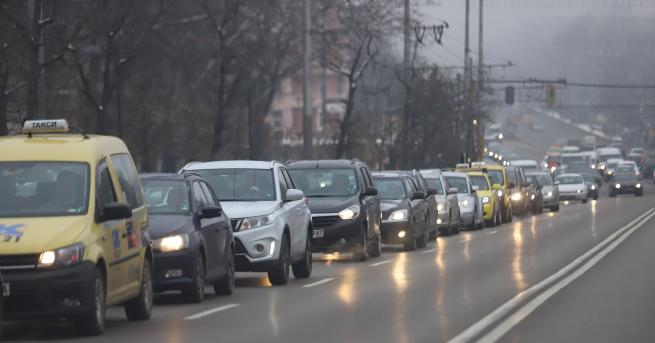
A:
[470, 205]
[270, 217]
[447, 202]
[571, 187]
[549, 190]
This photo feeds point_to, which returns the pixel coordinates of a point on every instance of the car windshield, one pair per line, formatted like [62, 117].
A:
[588, 178]
[241, 184]
[543, 179]
[612, 165]
[480, 181]
[496, 177]
[390, 188]
[436, 184]
[459, 183]
[40, 189]
[166, 196]
[569, 180]
[625, 177]
[325, 182]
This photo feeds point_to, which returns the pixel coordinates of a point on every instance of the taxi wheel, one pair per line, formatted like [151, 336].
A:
[93, 322]
[225, 286]
[360, 252]
[279, 275]
[303, 268]
[140, 308]
[195, 292]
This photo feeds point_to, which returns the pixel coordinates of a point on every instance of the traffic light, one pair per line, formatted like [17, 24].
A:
[550, 95]
[509, 95]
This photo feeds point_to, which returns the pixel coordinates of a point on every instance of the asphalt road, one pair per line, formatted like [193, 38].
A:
[430, 295]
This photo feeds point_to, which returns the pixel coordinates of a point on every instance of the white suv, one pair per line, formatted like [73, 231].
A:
[269, 216]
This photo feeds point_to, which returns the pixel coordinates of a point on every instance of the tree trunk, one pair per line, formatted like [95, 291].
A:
[34, 65]
[344, 129]
[3, 103]
[219, 119]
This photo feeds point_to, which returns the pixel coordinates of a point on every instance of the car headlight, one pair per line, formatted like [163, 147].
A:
[255, 222]
[602, 167]
[486, 200]
[62, 257]
[610, 172]
[516, 196]
[549, 195]
[638, 185]
[349, 213]
[593, 187]
[553, 169]
[171, 243]
[500, 193]
[440, 207]
[579, 191]
[464, 203]
[617, 186]
[500, 136]
[593, 166]
[532, 196]
[398, 215]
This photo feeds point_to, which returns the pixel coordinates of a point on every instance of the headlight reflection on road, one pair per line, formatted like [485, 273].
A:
[517, 273]
[399, 274]
[533, 226]
[347, 287]
[593, 219]
[273, 315]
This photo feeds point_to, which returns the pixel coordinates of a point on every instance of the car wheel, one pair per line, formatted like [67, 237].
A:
[584, 201]
[195, 292]
[639, 194]
[140, 308]
[612, 195]
[480, 225]
[376, 248]
[422, 241]
[360, 252]
[303, 268]
[93, 321]
[555, 208]
[225, 286]
[458, 226]
[279, 275]
[410, 243]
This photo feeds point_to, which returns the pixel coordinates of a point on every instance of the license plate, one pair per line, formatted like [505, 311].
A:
[5, 289]
[318, 233]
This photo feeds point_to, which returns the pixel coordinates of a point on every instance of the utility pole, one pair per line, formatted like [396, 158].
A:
[406, 80]
[308, 139]
[468, 121]
[321, 118]
[476, 121]
[407, 43]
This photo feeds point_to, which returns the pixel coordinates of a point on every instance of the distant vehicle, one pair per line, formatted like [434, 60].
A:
[591, 157]
[520, 194]
[625, 183]
[592, 186]
[571, 158]
[269, 215]
[537, 127]
[527, 165]
[192, 237]
[588, 143]
[549, 191]
[500, 182]
[627, 167]
[430, 194]
[605, 154]
[535, 195]
[404, 210]
[611, 166]
[575, 142]
[584, 168]
[489, 198]
[648, 167]
[636, 151]
[447, 204]
[571, 187]
[469, 204]
[570, 149]
[345, 206]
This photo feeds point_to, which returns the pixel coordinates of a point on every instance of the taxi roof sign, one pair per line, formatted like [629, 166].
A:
[45, 126]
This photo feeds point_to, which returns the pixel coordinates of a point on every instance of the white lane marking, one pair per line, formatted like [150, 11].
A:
[380, 263]
[464, 240]
[210, 312]
[491, 233]
[428, 251]
[317, 283]
[525, 311]
[484, 323]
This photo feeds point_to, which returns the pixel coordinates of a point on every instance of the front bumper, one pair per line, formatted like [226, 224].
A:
[467, 216]
[169, 263]
[488, 211]
[338, 235]
[551, 201]
[573, 196]
[627, 190]
[258, 249]
[48, 294]
[389, 231]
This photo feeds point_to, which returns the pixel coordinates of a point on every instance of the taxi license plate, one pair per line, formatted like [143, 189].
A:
[5, 289]
[318, 233]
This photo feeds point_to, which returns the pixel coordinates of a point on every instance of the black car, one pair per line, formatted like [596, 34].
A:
[625, 183]
[344, 204]
[583, 168]
[192, 237]
[592, 185]
[430, 198]
[519, 190]
[405, 218]
[535, 194]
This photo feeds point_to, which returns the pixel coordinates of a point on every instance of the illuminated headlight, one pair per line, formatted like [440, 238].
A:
[602, 167]
[545, 165]
[439, 221]
[440, 207]
[617, 186]
[500, 136]
[638, 185]
[464, 203]
[398, 215]
[593, 166]
[63, 257]
[486, 200]
[593, 187]
[549, 195]
[171, 243]
[491, 154]
[255, 222]
[349, 213]
[496, 156]
[532, 196]
[500, 157]
[610, 172]
[516, 196]
[553, 169]
[500, 193]
[579, 191]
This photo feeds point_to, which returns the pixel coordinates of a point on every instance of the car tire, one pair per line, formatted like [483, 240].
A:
[584, 201]
[195, 292]
[555, 208]
[375, 249]
[279, 275]
[480, 225]
[639, 194]
[140, 308]
[595, 197]
[612, 195]
[360, 252]
[303, 268]
[225, 286]
[93, 321]
[422, 241]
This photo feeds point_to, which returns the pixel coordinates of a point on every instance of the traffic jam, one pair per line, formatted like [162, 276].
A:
[83, 231]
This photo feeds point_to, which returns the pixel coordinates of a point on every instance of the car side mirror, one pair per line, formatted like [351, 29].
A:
[116, 211]
[539, 187]
[371, 192]
[432, 191]
[452, 190]
[211, 212]
[475, 189]
[294, 195]
[418, 196]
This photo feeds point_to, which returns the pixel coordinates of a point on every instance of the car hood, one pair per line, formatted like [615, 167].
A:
[162, 225]
[626, 183]
[546, 189]
[330, 204]
[572, 188]
[388, 206]
[35, 235]
[242, 209]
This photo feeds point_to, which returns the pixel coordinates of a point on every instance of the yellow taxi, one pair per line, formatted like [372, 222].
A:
[488, 196]
[73, 227]
[499, 179]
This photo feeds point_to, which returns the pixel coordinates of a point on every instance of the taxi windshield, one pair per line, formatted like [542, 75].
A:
[496, 177]
[43, 189]
[480, 181]
[166, 196]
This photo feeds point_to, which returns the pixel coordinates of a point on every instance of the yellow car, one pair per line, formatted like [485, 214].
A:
[488, 196]
[499, 182]
[73, 227]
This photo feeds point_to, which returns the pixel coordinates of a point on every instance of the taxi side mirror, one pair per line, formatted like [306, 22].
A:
[116, 211]
[496, 186]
